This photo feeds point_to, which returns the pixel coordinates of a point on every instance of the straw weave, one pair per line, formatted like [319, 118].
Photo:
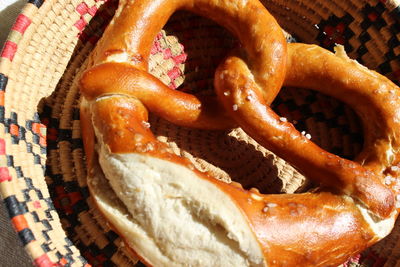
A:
[42, 163]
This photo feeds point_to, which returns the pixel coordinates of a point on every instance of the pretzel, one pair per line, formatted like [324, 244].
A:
[169, 213]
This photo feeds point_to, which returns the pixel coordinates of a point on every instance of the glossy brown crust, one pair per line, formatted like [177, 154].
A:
[266, 127]
[311, 229]
[121, 122]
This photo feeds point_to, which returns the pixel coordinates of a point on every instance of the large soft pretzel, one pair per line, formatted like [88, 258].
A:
[171, 214]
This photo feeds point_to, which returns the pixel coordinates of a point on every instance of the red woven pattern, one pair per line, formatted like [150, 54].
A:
[4, 174]
[80, 24]
[9, 50]
[44, 261]
[21, 24]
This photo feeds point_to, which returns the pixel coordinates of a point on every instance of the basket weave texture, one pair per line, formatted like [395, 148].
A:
[42, 163]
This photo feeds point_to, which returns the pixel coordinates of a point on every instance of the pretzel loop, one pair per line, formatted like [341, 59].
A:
[281, 137]
[365, 180]
[129, 37]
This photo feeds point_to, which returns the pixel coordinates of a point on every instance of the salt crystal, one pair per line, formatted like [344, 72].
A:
[146, 124]
[388, 180]
[256, 197]
[394, 168]
[138, 137]
[398, 201]
[149, 147]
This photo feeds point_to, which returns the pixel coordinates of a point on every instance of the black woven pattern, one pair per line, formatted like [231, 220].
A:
[68, 197]
[336, 30]
[3, 82]
[15, 207]
[37, 3]
[288, 108]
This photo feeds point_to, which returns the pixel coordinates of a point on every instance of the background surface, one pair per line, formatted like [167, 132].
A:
[12, 253]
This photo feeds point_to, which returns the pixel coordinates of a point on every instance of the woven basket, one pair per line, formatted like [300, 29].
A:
[42, 164]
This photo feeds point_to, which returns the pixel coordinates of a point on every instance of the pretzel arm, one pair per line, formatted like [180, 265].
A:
[258, 120]
[310, 229]
[175, 106]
